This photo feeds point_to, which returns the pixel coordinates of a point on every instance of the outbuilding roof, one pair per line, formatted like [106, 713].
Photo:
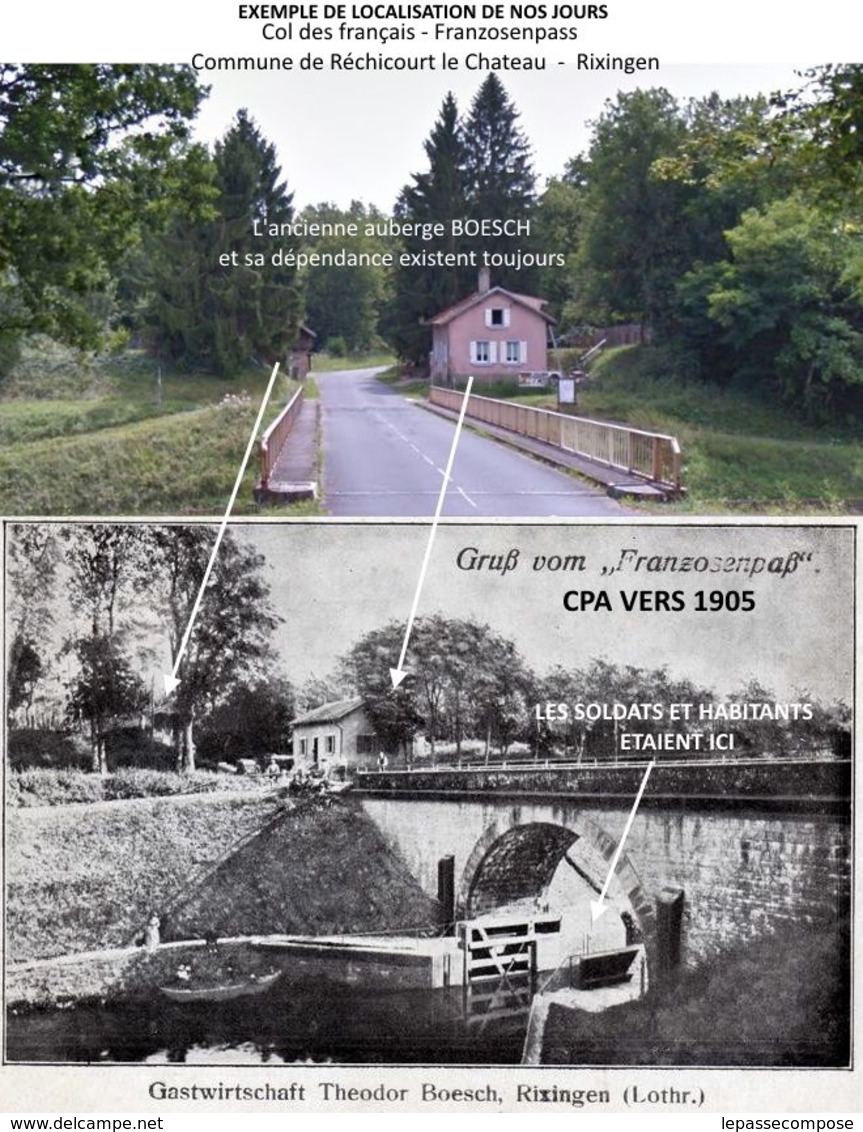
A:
[331, 712]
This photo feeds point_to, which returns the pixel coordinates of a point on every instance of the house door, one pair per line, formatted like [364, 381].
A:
[315, 752]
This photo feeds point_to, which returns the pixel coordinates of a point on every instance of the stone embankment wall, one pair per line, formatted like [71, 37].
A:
[745, 873]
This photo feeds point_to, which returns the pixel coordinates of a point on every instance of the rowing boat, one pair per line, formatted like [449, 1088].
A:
[221, 992]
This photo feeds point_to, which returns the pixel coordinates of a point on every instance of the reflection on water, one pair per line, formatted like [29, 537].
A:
[320, 1022]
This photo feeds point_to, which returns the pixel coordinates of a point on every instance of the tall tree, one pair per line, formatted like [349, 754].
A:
[634, 243]
[465, 680]
[344, 303]
[105, 689]
[82, 146]
[25, 671]
[32, 557]
[251, 720]
[823, 119]
[219, 299]
[366, 668]
[786, 308]
[230, 639]
[435, 196]
[559, 217]
[500, 181]
[103, 563]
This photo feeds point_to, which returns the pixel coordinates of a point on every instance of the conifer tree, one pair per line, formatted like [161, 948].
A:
[219, 301]
[501, 184]
[435, 196]
[480, 169]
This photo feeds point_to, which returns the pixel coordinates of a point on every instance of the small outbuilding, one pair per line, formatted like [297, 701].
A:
[299, 359]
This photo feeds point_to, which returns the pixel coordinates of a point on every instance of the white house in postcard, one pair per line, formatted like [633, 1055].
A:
[333, 735]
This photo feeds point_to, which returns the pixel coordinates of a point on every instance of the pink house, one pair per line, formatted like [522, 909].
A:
[493, 334]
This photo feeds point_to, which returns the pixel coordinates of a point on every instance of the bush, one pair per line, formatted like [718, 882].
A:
[33, 748]
[47, 787]
[10, 353]
[133, 748]
[64, 787]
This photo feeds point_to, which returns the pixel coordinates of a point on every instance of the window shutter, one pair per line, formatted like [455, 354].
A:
[492, 352]
[522, 353]
[488, 321]
[473, 353]
[506, 316]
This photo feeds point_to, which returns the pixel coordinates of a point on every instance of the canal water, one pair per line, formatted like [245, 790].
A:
[292, 1022]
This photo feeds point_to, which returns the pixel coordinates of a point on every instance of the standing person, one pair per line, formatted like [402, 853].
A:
[152, 934]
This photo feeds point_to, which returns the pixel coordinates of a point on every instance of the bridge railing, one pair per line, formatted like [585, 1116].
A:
[275, 437]
[653, 456]
[468, 765]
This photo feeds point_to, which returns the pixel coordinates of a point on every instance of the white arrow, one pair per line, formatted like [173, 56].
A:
[598, 907]
[171, 679]
[398, 673]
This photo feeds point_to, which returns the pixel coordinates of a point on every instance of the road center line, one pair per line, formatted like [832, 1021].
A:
[430, 462]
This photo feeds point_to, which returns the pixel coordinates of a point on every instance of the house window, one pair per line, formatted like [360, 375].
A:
[331, 744]
[515, 353]
[497, 316]
[482, 353]
[303, 746]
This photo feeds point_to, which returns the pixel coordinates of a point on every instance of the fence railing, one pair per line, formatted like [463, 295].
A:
[273, 440]
[650, 455]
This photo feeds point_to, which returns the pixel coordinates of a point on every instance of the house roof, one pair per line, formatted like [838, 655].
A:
[331, 712]
[530, 301]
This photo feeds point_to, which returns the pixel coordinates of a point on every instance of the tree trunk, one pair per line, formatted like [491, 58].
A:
[188, 746]
[98, 760]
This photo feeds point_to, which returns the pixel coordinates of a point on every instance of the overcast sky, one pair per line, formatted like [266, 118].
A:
[333, 582]
[346, 136]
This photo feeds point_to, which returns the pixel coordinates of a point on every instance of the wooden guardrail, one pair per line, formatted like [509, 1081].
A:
[273, 440]
[651, 455]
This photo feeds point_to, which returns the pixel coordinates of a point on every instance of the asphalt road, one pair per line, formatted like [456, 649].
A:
[384, 455]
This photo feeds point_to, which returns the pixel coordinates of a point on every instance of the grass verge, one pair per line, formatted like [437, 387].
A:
[54, 787]
[326, 363]
[741, 453]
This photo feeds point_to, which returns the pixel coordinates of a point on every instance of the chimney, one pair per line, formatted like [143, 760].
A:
[484, 281]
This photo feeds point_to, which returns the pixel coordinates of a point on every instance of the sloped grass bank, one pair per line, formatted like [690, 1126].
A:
[741, 453]
[324, 868]
[183, 464]
[107, 439]
[87, 877]
[783, 1001]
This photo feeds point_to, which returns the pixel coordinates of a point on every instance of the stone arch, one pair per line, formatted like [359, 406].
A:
[515, 861]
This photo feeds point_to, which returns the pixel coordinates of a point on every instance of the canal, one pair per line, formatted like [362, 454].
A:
[319, 1021]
